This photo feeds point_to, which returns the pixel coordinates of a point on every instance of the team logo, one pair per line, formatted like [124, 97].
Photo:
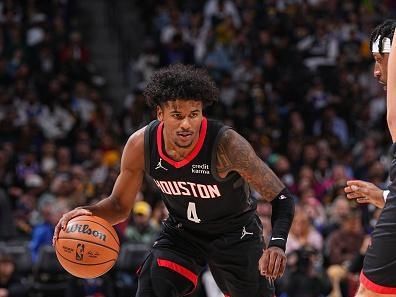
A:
[244, 232]
[159, 165]
[80, 252]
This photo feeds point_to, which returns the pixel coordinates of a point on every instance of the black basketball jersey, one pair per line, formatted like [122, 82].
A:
[193, 192]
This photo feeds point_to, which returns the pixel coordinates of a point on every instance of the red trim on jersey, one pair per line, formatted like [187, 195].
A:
[191, 155]
[191, 276]
[226, 295]
[139, 270]
[375, 287]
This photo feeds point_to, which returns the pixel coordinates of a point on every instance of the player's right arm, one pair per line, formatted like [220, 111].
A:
[117, 207]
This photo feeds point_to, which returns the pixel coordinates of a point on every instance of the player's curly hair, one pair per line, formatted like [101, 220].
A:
[184, 82]
[386, 29]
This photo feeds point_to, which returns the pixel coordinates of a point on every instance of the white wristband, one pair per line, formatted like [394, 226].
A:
[385, 194]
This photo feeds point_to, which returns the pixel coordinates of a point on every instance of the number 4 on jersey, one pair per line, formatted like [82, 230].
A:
[192, 213]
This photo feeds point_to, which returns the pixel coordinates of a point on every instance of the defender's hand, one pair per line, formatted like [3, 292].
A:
[66, 218]
[364, 192]
[272, 263]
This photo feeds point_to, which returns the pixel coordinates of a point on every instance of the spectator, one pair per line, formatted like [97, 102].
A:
[51, 212]
[302, 234]
[10, 286]
[216, 10]
[7, 225]
[330, 124]
[336, 212]
[343, 244]
[303, 279]
[141, 229]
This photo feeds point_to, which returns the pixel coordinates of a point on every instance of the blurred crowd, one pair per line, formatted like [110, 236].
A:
[295, 78]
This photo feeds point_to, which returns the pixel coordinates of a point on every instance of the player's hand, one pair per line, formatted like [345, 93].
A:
[272, 263]
[3, 293]
[364, 192]
[66, 218]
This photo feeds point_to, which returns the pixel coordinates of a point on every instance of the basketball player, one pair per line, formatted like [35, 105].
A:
[378, 277]
[203, 170]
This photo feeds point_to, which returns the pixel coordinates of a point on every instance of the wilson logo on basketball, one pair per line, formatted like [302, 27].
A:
[85, 230]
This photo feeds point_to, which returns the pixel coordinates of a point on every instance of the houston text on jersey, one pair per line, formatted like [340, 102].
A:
[181, 188]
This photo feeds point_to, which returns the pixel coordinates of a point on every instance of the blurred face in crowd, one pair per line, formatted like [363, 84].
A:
[141, 220]
[182, 122]
[63, 155]
[301, 224]
[380, 68]
[282, 166]
[340, 208]
[352, 224]
[57, 209]
[6, 269]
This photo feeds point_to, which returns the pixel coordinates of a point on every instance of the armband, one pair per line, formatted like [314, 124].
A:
[281, 218]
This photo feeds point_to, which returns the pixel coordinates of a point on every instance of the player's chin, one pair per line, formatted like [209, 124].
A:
[184, 144]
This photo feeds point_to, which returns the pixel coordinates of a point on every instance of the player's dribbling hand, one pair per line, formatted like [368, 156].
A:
[66, 218]
[364, 192]
[3, 293]
[272, 263]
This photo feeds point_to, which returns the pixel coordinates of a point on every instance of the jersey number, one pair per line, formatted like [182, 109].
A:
[192, 213]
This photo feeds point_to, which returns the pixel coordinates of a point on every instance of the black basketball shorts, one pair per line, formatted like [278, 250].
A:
[379, 267]
[178, 257]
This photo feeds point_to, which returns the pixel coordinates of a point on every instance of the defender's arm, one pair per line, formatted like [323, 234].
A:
[391, 91]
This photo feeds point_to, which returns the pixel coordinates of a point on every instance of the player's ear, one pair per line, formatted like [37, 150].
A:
[160, 113]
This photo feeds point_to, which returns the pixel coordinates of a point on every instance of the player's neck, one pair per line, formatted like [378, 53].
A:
[177, 153]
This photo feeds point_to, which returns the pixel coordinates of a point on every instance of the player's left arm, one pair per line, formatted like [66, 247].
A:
[234, 153]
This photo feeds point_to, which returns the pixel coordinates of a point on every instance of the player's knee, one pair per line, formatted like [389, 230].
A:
[361, 291]
[165, 281]
[170, 284]
[364, 292]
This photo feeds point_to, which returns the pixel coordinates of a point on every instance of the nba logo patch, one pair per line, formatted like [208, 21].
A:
[80, 252]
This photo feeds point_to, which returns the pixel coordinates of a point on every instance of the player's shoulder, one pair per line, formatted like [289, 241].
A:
[137, 138]
[229, 137]
[133, 153]
[134, 147]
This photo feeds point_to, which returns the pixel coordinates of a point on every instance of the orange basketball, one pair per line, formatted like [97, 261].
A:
[88, 247]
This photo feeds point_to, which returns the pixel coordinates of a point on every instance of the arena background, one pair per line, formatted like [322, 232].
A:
[295, 79]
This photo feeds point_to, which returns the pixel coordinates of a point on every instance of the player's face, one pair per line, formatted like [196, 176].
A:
[182, 121]
[380, 68]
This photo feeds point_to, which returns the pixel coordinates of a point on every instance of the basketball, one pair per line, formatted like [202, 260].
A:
[88, 247]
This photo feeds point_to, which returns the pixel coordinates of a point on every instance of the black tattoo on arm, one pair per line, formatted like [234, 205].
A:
[234, 153]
